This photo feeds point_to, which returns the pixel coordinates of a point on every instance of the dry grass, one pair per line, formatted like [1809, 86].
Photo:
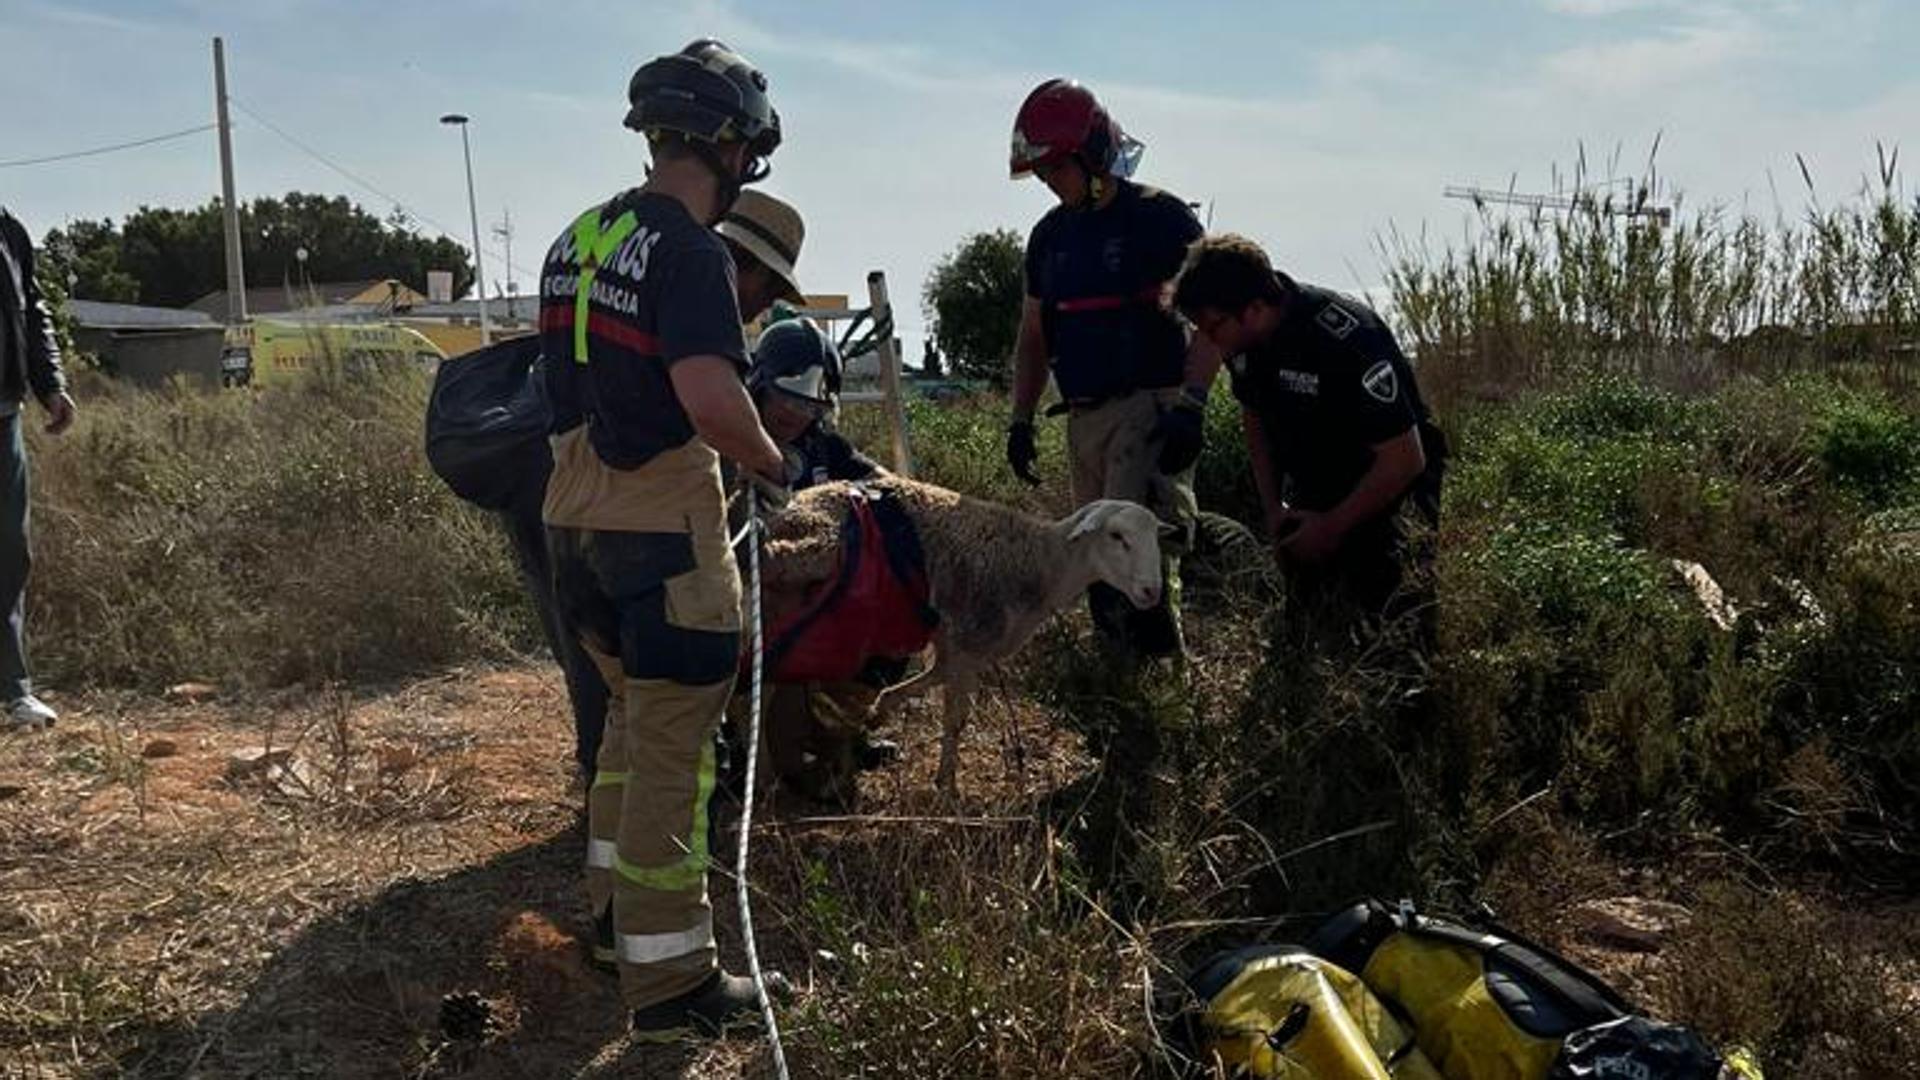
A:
[290, 535]
[160, 910]
[165, 920]
[172, 919]
[1529, 298]
[1825, 985]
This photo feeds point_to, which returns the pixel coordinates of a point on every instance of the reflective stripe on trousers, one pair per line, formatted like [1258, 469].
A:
[690, 870]
[656, 948]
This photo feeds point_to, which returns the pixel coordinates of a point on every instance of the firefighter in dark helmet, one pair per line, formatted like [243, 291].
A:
[645, 362]
[816, 733]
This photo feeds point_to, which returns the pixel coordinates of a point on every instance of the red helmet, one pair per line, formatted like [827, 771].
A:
[1062, 120]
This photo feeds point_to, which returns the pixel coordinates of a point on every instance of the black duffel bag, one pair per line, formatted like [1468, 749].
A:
[487, 423]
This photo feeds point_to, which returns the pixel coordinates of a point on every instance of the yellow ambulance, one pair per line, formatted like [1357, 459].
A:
[270, 350]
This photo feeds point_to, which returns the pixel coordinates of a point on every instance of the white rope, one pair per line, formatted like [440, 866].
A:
[740, 537]
[746, 798]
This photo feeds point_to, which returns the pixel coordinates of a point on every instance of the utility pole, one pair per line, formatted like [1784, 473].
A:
[504, 231]
[236, 276]
[473, 217]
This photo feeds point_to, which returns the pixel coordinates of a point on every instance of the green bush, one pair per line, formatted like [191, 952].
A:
[1572, 655]
[962, 445]
[1565, 578]
[1612, 406]
[1223, 479]
[1871, 449]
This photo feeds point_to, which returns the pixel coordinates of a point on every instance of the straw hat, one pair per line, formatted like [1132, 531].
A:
[770, 231]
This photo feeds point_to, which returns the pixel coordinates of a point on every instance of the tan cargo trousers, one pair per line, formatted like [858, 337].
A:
[659, 613]
[1115, 456]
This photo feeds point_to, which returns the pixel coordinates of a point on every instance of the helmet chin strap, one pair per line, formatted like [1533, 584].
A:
[728, 182]
[1096, 184]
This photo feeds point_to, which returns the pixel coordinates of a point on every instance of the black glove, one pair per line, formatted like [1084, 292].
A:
[1181, 433]
[1020, 451]
[774, 497]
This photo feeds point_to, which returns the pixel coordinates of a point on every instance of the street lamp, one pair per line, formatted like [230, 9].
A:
[473, 215]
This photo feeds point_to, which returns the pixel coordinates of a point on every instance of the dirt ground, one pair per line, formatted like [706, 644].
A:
[168, 909]
[382, 884]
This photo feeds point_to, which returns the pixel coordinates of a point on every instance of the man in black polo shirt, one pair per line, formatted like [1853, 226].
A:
[1342, 445]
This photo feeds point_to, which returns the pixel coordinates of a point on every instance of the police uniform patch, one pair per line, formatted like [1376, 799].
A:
[1298, 382]
[1381, 383]
[1337, 320]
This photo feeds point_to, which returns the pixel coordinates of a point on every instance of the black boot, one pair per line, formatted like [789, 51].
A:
[709, 1010]
[600, 953]
[870, 753]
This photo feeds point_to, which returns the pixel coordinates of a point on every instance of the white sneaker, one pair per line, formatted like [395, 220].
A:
[30, 714]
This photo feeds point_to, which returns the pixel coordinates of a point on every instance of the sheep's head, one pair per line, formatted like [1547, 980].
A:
[1121, 544]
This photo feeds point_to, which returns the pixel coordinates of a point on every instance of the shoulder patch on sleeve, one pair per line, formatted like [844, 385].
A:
[1337, 320]
[1381, 383]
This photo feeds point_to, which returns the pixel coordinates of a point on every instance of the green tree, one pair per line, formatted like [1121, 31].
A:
[177, 256]
[50, 274]
[972, 299]
[172, 257]
[87, 254]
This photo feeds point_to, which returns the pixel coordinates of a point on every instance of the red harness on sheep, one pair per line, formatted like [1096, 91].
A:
[877, 604]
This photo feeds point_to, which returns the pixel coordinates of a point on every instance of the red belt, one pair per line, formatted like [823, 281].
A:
[1150, 295]
[602, 325]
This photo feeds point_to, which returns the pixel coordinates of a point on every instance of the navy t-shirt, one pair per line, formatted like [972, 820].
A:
[1330, 385]
[665, 293]
[1098, 274]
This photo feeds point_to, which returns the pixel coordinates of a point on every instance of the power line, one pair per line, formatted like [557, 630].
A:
[181, 134]
[315, 154]
[369, 186]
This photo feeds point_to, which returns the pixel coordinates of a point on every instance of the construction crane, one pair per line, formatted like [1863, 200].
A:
[1635, 207]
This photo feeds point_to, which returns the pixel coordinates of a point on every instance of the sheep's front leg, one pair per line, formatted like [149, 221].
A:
[959, 705]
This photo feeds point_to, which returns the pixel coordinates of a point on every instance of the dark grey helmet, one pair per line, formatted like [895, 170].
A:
[707, 92]
[797, 357]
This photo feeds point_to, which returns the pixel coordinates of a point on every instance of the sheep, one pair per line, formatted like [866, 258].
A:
[995, 575]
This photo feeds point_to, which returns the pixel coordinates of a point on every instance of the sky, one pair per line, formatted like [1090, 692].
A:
[1316, 128]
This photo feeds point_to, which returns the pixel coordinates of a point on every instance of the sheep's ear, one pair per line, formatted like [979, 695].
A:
[1091, 516]
[1168, 532]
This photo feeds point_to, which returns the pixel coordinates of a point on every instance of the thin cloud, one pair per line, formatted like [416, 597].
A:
[902, 65]
[1599, 9]
[1682, 54]
[96, 20]
[1591, 9]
